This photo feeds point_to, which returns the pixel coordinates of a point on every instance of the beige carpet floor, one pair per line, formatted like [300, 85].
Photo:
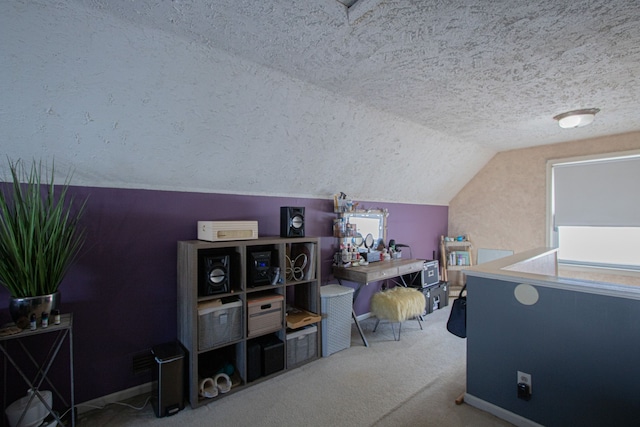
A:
[411, 382]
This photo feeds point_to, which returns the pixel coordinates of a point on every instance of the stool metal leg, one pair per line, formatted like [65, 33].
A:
[355, 319]
[394, 331]
[377, 323]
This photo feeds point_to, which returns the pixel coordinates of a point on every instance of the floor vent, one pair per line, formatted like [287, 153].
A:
[142, 362]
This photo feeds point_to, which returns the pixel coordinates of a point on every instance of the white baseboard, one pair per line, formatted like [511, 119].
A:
[118, 396]
[499, 412]
[364, 316]
[140, 389]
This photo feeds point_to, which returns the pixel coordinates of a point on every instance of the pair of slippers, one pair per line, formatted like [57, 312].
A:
[210, 387]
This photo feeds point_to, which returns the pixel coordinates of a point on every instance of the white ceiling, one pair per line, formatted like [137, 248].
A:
[386, 100]
[489, 72]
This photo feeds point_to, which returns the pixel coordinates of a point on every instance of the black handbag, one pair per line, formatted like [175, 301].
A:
[457, 323]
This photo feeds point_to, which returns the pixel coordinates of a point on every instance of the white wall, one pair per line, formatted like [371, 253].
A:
[138, 108]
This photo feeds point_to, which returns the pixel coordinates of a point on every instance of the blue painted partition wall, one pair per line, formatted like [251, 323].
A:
[582, 351]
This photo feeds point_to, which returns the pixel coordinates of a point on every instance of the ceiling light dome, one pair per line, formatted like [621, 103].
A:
[576, 118]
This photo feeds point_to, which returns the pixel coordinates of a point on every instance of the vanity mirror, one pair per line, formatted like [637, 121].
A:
[370, 225]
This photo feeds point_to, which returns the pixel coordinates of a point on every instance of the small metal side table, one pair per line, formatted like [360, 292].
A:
[63, 331]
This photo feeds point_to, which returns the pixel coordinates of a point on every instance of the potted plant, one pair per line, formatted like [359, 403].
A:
[39, 239]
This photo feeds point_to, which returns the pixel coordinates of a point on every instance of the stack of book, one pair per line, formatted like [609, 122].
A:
[459, 258]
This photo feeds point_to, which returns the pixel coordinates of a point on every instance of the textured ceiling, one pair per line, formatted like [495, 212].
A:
[488, 72]
[386, 100]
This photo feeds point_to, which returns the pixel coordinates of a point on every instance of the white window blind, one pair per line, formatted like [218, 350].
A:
[600, 193]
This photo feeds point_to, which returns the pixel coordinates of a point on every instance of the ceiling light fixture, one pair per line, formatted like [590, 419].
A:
[576, 118]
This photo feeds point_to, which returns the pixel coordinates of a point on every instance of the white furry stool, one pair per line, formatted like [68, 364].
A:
[397, 305]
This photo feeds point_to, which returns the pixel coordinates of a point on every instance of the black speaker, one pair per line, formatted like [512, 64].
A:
[291, 221]
[215, 275]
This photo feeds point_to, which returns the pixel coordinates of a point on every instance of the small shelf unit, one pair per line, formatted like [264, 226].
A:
[456, 256]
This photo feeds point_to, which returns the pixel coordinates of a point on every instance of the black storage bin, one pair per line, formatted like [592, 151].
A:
[427, 304]
[431, 274]
[427, 277]
[168, 379]
[265, 355]
[437, 296]
[272, 355]
[254, 360]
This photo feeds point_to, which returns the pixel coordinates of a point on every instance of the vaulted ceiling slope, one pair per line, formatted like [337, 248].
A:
[491, 72]
[400, 101]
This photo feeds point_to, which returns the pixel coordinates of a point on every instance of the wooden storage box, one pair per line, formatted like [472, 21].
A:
[221, 231]
[265, 314]
[219, 323]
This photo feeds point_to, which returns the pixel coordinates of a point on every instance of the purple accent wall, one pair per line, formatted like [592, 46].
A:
[122, 290]
[417, 226]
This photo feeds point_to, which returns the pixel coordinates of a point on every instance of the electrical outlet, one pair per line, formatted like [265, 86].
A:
[525, 378]
[524, 386]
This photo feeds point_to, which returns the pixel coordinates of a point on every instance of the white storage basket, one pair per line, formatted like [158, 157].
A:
[337, 304]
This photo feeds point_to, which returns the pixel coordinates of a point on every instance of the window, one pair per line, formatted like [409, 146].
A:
[594, 210]
[612, 247]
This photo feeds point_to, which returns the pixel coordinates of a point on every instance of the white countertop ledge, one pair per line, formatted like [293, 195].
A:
[539, 267]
